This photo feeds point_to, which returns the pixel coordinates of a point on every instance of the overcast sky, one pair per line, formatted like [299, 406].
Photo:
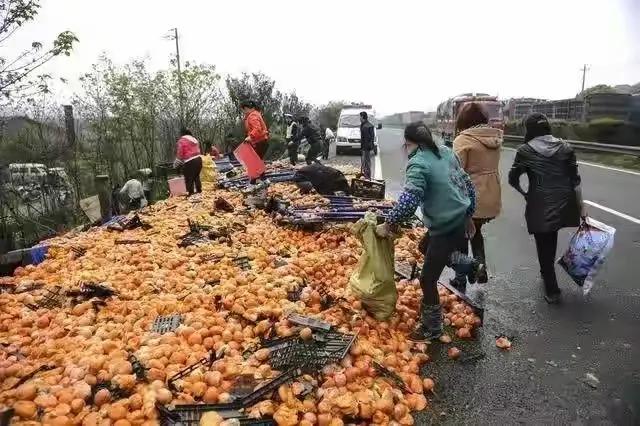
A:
[398, 55]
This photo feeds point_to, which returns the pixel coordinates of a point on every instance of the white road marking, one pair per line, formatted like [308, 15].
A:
[587, 163]
[614, 212]
[377, 172]
[615, 169]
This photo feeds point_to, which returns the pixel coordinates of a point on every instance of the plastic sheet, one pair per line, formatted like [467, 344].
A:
[587, 251]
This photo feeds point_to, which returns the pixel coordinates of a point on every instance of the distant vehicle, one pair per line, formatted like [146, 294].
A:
[348, 133]
[447, 112]
[27, 173]
[34, 182]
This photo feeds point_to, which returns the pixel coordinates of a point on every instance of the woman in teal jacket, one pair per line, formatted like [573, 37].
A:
[435, 182]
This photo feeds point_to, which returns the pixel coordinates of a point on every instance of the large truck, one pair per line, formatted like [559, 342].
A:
[348, 133]
[447, 113]
[30, 196]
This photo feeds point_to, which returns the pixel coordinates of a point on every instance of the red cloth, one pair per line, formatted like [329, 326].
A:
[255, 127]
[188, 148]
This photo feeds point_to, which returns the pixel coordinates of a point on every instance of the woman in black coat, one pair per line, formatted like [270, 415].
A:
[553, 199]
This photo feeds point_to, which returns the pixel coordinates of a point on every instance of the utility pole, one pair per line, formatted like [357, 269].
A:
[584, 75]
[181, 100]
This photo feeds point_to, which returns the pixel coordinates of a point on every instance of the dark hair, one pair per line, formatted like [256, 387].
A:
[418, 133]
[248, 103]
[364, 115]
[185, 132]
[471, 114]
[536, 125]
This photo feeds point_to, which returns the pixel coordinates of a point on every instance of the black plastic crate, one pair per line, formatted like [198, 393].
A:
[89, 291]
[386, 373]
[363, 188]
[190, 415]
[166, 323]
[309, 322]
[52, 298]
[333, 346]
[294, 353]
[138, 369]
[31, 375]
[407, 271]
[131, 242]
[242, 262]
[206, 361]
[323, 349]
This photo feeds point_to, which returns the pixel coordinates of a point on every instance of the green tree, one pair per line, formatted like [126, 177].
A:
[259, 88]
[16, 79]
[327, 115]
[600, 88]
[292, 104]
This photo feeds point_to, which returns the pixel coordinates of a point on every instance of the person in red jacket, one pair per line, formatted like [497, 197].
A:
[188, 156]
[254, 125]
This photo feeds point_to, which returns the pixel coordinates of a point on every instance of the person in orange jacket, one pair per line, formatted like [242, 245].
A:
[256, 128]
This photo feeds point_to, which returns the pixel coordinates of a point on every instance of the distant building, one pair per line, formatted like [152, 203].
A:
[608, 105]
[403, 118]
[596, 105]
[411, 116]
[634, 116]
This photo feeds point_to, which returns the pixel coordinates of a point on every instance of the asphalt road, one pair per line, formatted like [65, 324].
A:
[542, 379]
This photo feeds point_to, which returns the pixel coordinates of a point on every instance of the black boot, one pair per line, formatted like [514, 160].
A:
[459, 283]
[430, 326]
[482, 275]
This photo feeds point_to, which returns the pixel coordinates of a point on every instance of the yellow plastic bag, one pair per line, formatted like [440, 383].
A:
[208, 173]
[373, 280]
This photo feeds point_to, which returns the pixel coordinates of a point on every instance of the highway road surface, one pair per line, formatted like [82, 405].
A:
[543, 379]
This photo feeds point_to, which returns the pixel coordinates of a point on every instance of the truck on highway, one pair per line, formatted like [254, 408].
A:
[348, 133]
[448, 111]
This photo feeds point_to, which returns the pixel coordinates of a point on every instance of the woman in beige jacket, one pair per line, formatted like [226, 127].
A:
[478, 147]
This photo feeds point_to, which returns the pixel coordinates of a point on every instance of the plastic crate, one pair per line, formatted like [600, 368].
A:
[368, 188]
[206, 361]
[166, 323]
[385, 372]
[294, 353]
[406, 271]
[189, 415]
[309, 322]
[50, 300]
[242, 262]
[31, 375]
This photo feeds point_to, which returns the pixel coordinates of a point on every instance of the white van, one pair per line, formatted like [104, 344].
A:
[348, 134]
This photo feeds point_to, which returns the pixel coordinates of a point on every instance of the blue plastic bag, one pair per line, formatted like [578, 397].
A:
[587, 251]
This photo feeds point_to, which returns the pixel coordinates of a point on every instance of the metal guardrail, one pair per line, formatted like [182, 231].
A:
[589, 146]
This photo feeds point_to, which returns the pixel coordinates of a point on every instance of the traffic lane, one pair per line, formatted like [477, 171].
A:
[392, 159]
[606, 189]
[540, 380]
[596, 334]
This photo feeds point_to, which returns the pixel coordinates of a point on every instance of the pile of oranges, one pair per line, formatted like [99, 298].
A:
[224, 308]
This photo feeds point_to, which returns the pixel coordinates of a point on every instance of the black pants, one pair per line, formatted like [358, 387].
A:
[477, 242]
[261, 149]
[312, 155]
[293, 152]
[437, 256]
[547, 244]
[325, 149]
[191, 171]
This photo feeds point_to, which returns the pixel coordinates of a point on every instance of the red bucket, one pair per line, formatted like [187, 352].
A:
[247, 156]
